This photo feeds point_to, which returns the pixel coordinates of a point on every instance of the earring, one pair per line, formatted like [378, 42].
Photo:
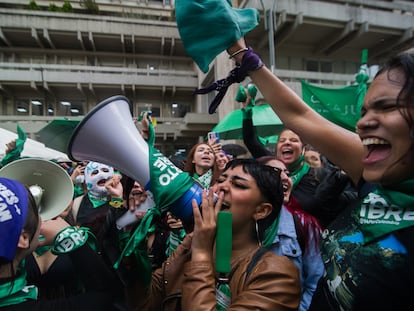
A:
[257, 233]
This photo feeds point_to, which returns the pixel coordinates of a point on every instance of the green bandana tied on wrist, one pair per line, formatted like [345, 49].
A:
[387, 209]
[208, 27]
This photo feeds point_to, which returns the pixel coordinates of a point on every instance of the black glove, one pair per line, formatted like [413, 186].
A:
[250, 62]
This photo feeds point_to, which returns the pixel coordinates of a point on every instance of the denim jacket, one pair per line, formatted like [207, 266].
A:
[309, 262]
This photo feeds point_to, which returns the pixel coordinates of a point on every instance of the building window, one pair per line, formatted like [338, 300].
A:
[22, 107]
[179, 110]
[67, 108]
[317, 66]
[155, 110]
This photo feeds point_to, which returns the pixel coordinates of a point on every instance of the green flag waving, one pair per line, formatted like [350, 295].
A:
[338, 105]
[342, 105]
[16, 152]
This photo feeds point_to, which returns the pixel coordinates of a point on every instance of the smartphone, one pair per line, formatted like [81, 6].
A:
[213, 137]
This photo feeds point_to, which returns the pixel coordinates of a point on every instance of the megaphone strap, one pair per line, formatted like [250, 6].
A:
[71, 238]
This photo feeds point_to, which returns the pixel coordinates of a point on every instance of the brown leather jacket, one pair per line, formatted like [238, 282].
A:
[179, 284]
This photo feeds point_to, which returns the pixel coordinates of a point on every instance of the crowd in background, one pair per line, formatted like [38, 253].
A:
[323, 223]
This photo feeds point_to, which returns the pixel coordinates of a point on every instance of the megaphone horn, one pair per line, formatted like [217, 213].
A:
[49, 184]
[108, 135]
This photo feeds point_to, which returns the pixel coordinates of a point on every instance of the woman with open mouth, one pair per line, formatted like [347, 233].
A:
[201, 164]
[317, 190]
[368, 249]
[297, 236]
[257, 279]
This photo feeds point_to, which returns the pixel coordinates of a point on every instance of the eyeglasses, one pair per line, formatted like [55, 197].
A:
[279, 171]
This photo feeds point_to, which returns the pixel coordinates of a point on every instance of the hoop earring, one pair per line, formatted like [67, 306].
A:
[257, 233]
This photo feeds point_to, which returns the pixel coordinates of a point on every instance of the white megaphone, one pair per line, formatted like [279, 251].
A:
[108, 135]
[49, 184]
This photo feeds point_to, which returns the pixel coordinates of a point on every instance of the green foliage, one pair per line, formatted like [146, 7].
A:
[53, 8]
[90, 6]
[67, 7]
[33, 5]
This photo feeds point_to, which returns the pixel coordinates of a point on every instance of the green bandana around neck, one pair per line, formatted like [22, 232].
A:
[271, 233]
[97, 202]
[204, 179]
[16, 292]
[387, 209]
[296, 173]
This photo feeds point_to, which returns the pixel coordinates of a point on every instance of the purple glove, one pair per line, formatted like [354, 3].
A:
[250, 62]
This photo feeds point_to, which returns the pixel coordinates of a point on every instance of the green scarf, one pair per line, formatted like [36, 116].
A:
[296, 173]
[204, 179]
[387, 209]
[97, 202]
[167, 183]
[16, 292]
[271, 233]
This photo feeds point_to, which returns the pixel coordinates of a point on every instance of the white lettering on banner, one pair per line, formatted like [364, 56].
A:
[65, 246]
[4, 213]
[162, 163]
[64, 234]
[77, 237]
[409, 214]
[375, 207]
[166, 178]
[395, 212]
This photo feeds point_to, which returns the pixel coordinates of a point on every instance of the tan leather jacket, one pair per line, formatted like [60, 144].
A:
[179, 284]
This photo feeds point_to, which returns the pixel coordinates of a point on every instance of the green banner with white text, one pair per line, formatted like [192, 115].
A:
[339, 105]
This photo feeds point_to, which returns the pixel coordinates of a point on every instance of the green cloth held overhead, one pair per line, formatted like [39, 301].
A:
[15, 154]
[208, 27]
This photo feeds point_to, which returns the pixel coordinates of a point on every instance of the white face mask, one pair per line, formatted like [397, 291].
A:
[96, 174]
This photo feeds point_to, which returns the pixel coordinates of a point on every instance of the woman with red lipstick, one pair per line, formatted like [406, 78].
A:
[368, 249]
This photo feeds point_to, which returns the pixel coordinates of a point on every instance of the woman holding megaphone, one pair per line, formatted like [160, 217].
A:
[192, 277]
[20, 228]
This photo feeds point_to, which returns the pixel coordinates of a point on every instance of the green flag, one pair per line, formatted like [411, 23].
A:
[342, 105]
[338, 105]
[16, 152]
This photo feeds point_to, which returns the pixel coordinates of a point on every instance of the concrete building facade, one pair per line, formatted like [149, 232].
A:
[58, 59]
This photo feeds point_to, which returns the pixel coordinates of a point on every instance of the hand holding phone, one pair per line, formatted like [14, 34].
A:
[213, 138]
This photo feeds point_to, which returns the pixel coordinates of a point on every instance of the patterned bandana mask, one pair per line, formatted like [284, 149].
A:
[94, 174]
